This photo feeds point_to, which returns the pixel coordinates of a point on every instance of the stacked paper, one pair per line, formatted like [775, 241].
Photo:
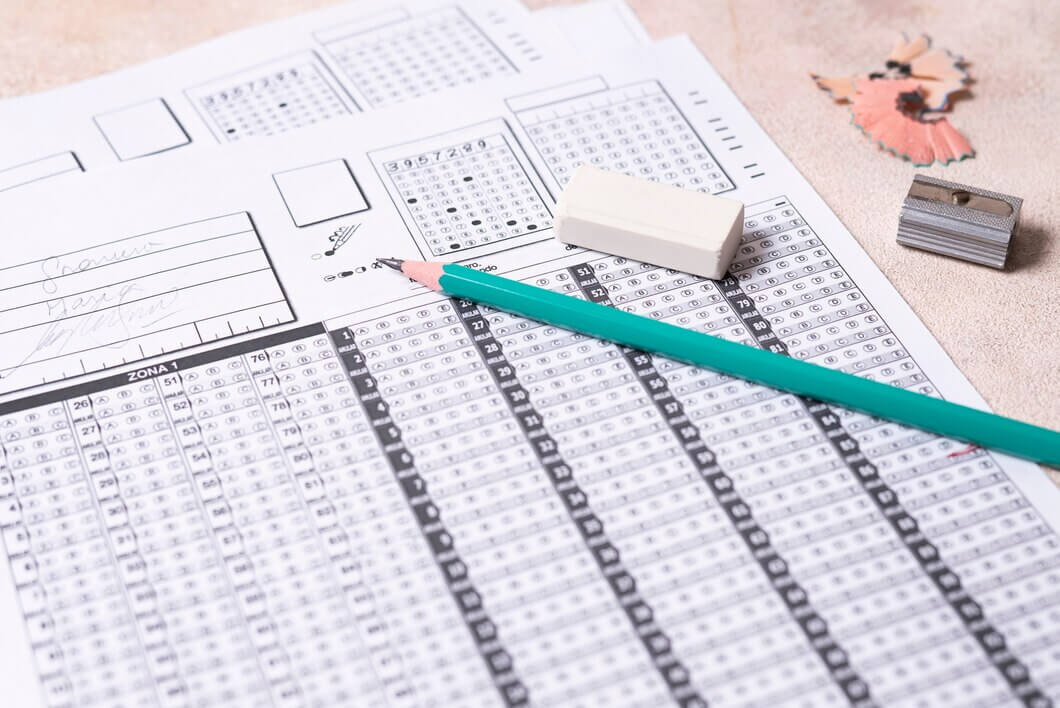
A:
[241, 466]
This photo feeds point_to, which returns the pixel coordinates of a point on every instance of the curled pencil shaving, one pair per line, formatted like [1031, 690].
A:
[964, 451]
[887, 111]
[916, 80]
[940, 73]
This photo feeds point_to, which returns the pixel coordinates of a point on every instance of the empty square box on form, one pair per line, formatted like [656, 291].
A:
[144, 129]
[321, 192]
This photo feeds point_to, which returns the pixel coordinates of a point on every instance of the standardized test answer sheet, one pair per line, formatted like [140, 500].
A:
[241, 465]
[311, 68]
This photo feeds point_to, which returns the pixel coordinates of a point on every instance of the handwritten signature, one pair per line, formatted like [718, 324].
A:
[55, 267]
[105, 319]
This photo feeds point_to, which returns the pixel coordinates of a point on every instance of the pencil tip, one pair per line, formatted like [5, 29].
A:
[394, 263]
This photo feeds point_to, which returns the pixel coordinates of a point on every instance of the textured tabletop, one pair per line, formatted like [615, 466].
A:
[1002, 328]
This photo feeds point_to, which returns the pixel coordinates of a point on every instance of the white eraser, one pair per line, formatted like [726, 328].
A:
[677, 228]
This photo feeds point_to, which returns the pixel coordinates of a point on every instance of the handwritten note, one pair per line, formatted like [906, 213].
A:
[135, 297]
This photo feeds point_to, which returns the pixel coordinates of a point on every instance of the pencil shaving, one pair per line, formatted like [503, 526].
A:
[895, 106]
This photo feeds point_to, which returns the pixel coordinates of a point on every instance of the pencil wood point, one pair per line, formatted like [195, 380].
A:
[423, 272]
[394, 263]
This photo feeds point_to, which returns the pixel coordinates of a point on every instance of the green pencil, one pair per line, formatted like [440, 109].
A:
[774, 370]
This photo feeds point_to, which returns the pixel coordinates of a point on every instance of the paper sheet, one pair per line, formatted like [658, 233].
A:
[408, 500]
[314, 67]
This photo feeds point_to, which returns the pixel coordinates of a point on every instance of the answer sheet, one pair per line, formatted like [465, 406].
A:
[374, 495]
[314, 67]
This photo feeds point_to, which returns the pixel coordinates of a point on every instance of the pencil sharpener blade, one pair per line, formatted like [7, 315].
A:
[958, 220]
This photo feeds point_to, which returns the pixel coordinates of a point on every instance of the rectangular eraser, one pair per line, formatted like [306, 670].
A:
[635, 218]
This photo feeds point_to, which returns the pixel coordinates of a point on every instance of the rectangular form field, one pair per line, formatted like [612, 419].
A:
[321, 192]
[272, 98]
[144, 129]
[394, 57]
[135, 297]
[28, 172]
[637, 129]
[472, 188]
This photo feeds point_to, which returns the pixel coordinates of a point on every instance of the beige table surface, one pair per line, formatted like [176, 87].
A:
[1001, 328]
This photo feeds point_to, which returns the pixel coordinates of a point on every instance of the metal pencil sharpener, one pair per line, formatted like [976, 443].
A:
[959, 221]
